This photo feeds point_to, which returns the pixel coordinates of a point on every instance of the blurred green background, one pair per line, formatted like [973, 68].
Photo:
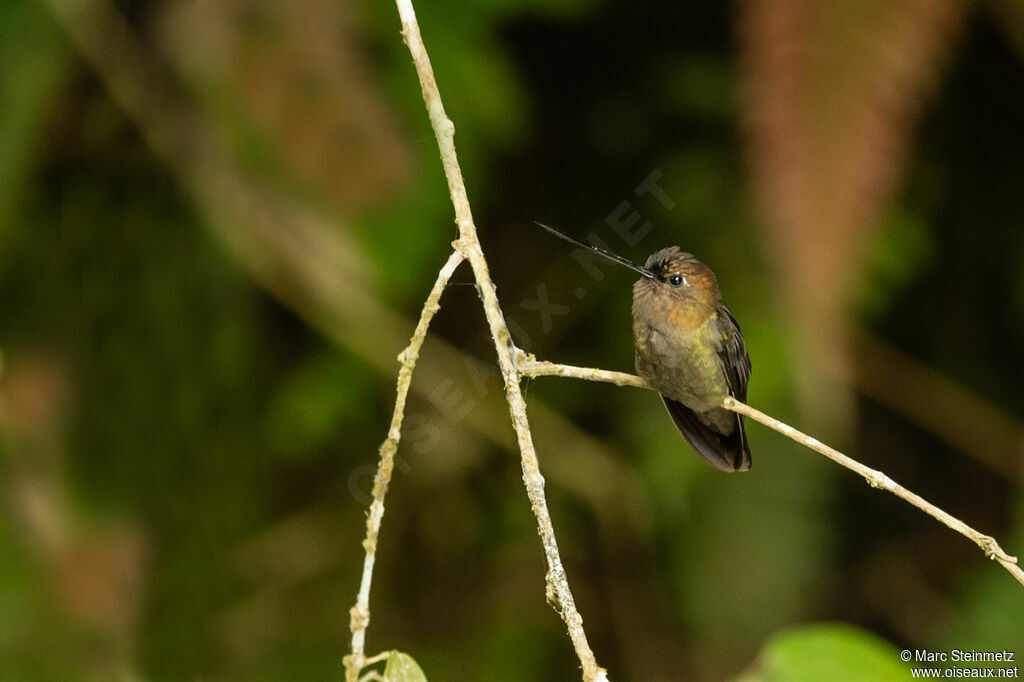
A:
[218, 222]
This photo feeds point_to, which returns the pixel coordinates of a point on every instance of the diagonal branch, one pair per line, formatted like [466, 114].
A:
[468, 247]
[360, 613]
[531, 367]
[876, 479]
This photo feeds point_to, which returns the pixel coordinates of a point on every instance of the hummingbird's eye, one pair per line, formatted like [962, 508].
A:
[675, 280]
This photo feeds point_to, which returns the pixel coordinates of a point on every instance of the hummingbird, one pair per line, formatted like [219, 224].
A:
[689, 348]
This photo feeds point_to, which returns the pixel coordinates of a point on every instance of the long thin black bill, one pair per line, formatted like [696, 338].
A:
[607, 254]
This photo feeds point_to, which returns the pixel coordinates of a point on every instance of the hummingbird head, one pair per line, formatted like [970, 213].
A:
[678, 275]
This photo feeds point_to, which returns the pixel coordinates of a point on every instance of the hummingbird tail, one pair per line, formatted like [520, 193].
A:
[726, 453]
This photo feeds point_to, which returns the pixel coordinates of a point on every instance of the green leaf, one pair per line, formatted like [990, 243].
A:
[837, 652]
[402, 668]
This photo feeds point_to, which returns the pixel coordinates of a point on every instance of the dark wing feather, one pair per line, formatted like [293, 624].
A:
[734, 356]
[727, 453]
[736, 363]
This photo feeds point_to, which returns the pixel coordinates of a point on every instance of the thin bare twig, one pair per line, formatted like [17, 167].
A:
[532, 367]
[360, 613]
[876, 479]
[468, 246]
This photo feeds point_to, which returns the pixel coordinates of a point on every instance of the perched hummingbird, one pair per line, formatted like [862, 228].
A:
[690, 350]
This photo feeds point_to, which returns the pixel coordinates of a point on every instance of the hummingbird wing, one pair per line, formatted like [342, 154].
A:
[726, 453]
[736, 364]
[733, 355]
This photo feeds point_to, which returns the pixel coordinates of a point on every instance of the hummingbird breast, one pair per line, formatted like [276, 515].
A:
[677, 352]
